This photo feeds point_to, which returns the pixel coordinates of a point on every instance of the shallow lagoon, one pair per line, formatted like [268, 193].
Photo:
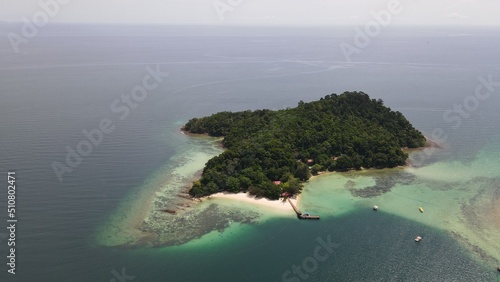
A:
[458, 200]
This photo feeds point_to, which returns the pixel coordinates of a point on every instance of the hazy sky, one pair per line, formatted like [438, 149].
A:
[253, 12]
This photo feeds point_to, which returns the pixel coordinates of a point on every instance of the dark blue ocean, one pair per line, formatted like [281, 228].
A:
[71, 78]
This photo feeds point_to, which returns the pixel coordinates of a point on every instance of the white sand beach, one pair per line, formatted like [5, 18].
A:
[278, 205]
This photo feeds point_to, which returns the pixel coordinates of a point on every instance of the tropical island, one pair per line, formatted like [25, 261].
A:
[271, 153]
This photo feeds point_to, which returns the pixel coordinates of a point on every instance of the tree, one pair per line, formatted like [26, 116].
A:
[344, 163]
[302, 172]
[339, 132]
[316, 168]
[233, 184]
[196, 190]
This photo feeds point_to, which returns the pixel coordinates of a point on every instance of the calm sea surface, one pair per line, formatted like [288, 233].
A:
[68, 78]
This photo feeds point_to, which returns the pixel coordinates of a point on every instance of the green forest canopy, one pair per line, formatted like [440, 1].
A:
[336, 133]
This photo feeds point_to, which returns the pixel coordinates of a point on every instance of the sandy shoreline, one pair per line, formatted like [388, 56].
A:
[280, 204]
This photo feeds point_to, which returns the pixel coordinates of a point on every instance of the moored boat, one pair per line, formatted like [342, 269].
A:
[306, 215]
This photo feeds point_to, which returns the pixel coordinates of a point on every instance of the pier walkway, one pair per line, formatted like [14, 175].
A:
[301, 215]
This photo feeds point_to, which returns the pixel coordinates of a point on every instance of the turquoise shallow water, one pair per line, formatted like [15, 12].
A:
[371, 246]
[458, 198]
[459, 241]
[50, 93]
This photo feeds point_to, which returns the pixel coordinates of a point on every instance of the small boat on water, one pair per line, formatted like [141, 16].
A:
[307, 215]
[421, 209]
[375, 208]
[418, 239]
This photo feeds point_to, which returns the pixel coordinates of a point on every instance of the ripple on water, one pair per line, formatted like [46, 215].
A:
[140, 221]
[462, 199]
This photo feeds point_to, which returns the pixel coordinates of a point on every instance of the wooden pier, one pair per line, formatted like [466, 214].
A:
[301, 215]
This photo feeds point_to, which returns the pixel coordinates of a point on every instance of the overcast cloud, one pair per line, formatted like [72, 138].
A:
[259, 12]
